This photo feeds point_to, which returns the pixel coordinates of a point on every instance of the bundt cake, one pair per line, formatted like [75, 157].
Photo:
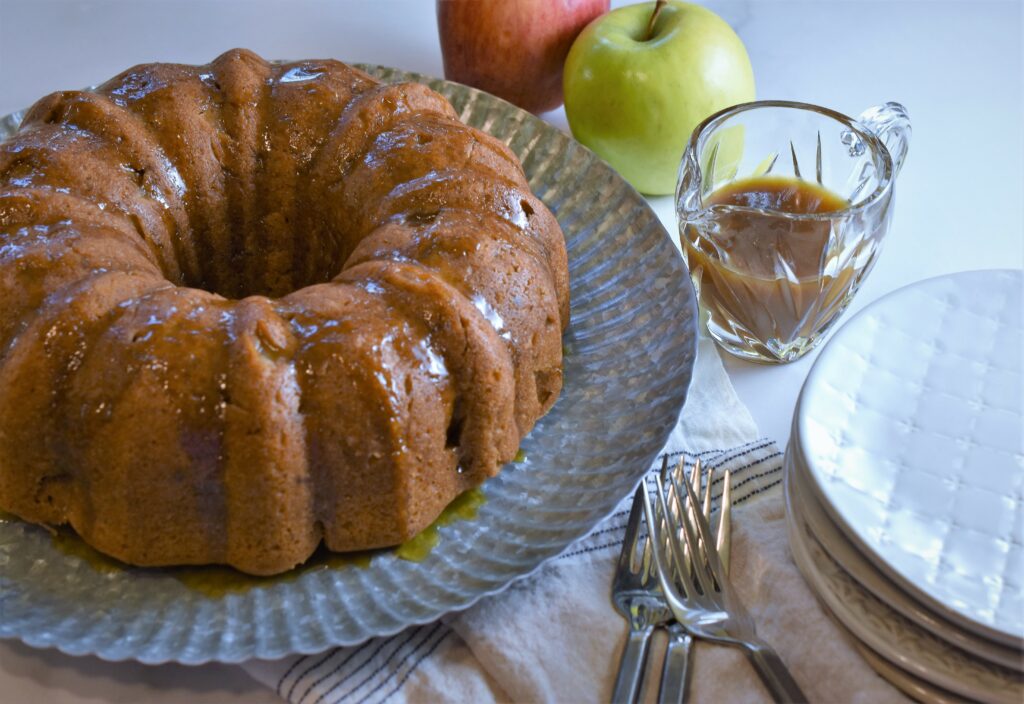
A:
[249, 307]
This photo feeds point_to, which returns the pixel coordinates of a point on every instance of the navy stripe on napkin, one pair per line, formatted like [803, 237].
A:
[376, 671]
[371, 672]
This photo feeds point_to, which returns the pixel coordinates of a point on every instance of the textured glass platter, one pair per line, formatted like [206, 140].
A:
[629, 356]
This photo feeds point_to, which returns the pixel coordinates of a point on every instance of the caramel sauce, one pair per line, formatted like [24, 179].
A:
[68, 542]
[219, 580]
[464, 507]
[762, 270]
[210, 580]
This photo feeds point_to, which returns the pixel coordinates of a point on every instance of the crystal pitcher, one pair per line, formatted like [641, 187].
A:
[782, 209]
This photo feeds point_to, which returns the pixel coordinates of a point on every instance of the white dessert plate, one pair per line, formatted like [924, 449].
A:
[886, 632]
[847, 556]
[910, 425]
[902, 680]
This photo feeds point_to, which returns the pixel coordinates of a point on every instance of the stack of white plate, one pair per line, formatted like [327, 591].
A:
[905, 485]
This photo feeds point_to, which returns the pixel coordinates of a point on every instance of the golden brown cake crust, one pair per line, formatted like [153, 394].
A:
[249, 307]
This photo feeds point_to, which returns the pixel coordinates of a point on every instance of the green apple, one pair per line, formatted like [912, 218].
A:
[634, 90]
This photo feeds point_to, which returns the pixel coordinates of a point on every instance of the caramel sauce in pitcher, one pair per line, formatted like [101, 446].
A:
[764, 273]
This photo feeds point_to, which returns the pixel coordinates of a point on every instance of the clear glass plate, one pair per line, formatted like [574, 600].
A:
[629, 356]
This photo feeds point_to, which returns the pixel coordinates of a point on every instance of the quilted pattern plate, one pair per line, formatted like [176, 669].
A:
[851, 561]
[911, 426]
[889, 634]
[629, 356]
[914, 687]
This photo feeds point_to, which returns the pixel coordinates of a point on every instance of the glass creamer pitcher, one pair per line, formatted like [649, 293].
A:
[782, 209]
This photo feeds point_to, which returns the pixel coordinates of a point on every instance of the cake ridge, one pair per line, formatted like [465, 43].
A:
[129, 134]
[39, 411]
[80, 177]
[244, 91]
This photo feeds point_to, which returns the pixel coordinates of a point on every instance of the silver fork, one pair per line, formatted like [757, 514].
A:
[675, 675]
[634, 584]
[711, 608]
[637, 596]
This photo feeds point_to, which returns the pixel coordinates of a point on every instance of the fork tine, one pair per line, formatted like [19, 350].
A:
[662, 558]
[652, 537]
[724, 539]
[691, 537]
[695, 479]
[711, 553]
[678, 558]
[679, 473]
[672, 523]
[627, 558]
[646, 567]
[664, 467]
[707, 492]
[662, 523]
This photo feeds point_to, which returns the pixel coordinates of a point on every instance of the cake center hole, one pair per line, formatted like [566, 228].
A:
[274, 260]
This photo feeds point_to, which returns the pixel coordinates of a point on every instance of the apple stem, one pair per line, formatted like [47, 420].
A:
[654, 18]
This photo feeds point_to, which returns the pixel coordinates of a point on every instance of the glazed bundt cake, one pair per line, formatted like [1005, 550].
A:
[246, 308]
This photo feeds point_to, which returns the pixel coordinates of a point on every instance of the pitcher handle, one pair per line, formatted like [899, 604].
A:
[891, 124]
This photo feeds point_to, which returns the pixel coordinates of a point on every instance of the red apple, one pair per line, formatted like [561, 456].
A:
[514, 49]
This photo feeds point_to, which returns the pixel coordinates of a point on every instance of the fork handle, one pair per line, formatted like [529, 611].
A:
[675, 676]
[631, 666]
[773, 672]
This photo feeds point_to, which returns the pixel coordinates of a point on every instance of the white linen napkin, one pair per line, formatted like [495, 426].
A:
[555, 636]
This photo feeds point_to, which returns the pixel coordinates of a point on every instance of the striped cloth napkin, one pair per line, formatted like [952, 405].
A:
[555, 637]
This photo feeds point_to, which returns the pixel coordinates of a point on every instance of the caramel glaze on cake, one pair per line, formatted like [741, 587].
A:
[248, 307]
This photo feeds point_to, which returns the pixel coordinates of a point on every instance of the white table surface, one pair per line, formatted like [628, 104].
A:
[957, 66]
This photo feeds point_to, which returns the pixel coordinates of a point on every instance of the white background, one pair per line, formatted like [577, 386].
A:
[957, 66]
